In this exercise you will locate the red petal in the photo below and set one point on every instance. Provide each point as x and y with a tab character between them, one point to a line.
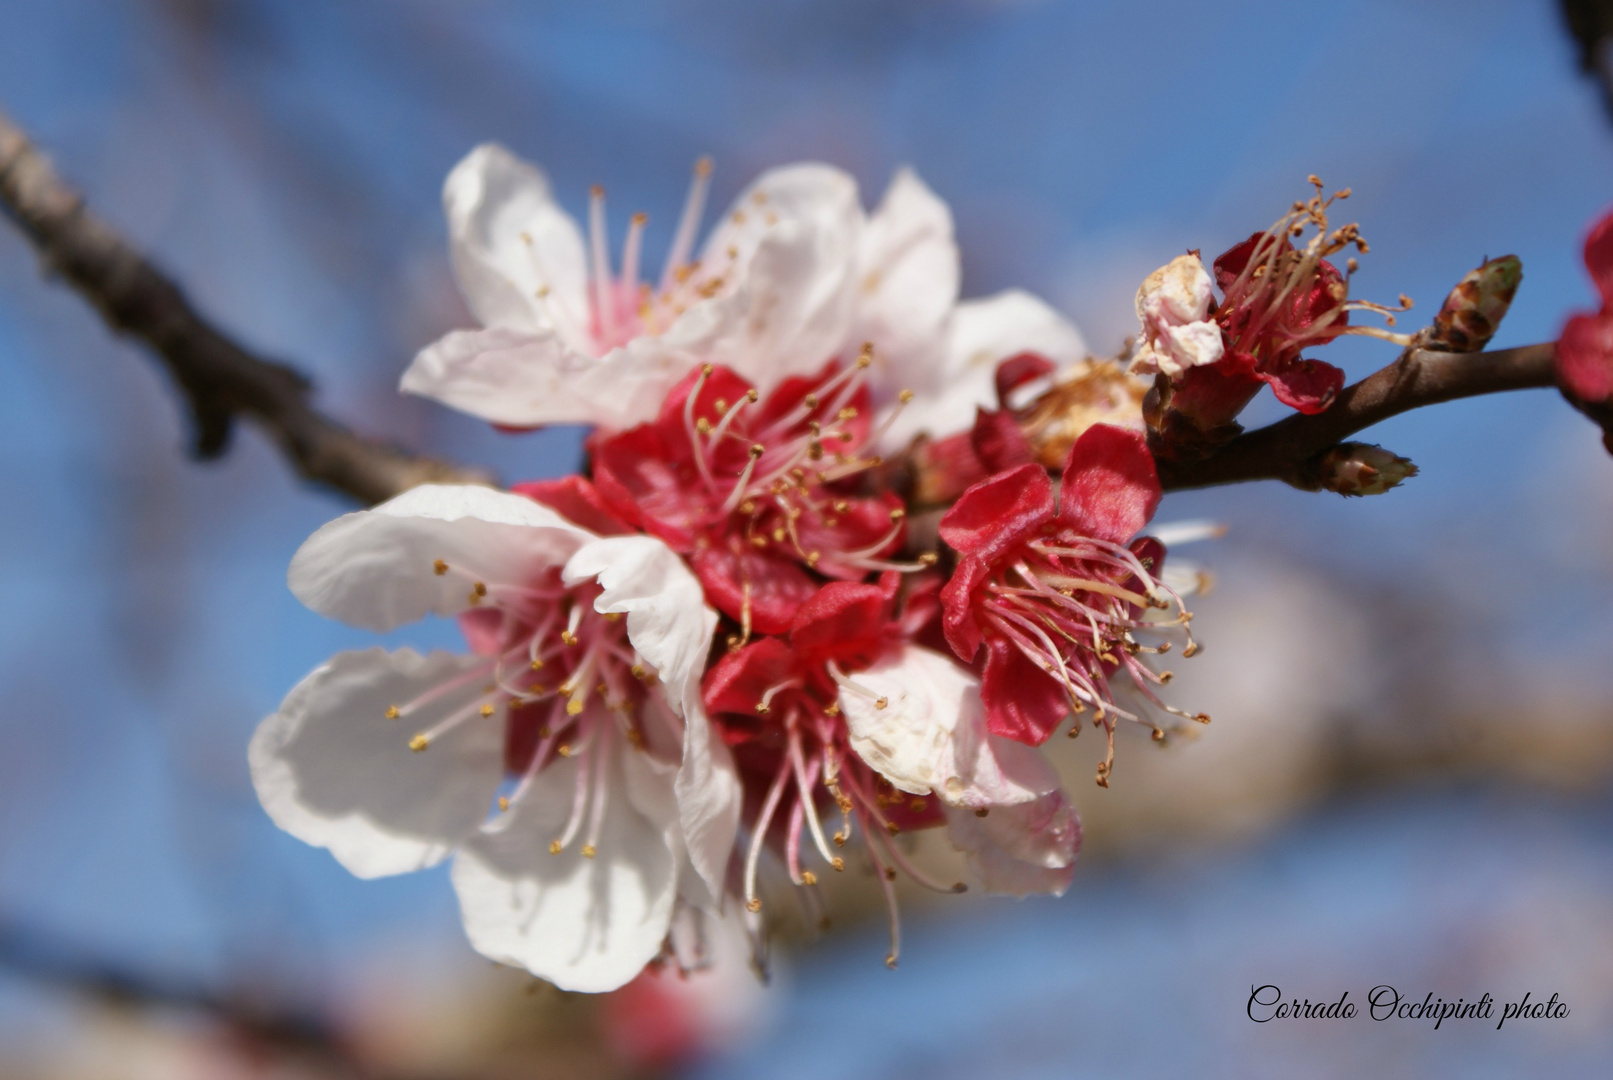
998	513
1110	485
1231	262
521	736
1022	701
483	628
576	500
646	483
1307	385
778	587
844	621
1599	257
957	607
998	442
1018	370
1585	358
735	683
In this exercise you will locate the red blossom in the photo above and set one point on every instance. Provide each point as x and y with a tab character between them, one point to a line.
1585	350
1052	590
759	493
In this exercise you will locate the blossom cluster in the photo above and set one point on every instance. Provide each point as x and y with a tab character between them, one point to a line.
846	553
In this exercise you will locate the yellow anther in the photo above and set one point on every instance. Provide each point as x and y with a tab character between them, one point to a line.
703	426
392	712
637	671
905	396
567	637
487	710
810	401
898	514
612	616
419	743
840	839
564	750
554	847
721	405
753	904
574	706
833	710
916	805
848	413
838	863
537	665
439	568
813	557
752	396
757	450
890	961
479	589
503	804
588	851
928	558
892	828
882	702
761	708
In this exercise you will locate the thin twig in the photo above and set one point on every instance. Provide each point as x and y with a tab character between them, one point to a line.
1289	449
221	379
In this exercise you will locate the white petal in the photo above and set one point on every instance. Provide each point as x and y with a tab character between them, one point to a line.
331	769
375	569
670	626
1023	849
983	334
785	307
587	925
1175	533
509	241
535	378
907	285
931	735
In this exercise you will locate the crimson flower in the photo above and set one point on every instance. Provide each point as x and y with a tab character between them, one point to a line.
757	492
1585	350
1054	589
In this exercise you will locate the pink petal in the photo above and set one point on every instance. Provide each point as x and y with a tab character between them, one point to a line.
1110	485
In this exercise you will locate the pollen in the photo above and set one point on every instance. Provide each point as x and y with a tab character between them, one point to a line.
392	712
419	743
503	804
439	568
588	851
574	706
564	750
487	710
555	847
568	638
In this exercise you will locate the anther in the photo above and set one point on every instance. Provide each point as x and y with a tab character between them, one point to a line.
808	878
555	847
982	811
487	710
838	863
564	750
503	804
588	851
439	568
419	743
754	904
392	712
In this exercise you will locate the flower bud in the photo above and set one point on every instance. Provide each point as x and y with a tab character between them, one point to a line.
1354	468
1474	309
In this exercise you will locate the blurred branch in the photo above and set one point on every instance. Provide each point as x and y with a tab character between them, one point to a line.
1591	24
1290	450
221	379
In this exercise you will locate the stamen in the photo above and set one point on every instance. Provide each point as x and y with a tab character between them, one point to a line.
631	249
688	224
759	834
596	816
804	789
889	890
604	302
847	684
579	798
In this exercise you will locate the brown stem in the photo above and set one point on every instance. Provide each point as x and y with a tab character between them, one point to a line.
1288	450
220	378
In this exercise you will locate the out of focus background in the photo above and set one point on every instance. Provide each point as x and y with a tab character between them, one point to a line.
1409	779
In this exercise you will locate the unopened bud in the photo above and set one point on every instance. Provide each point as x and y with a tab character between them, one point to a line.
1363	469
1474	309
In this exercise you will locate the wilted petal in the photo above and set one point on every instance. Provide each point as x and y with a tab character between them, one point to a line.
670	626
931	735
377	569
907	284
334	771
584	924
510	242
984	333
1020	850
534	378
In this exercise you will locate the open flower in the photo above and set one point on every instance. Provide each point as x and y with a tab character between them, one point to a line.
844	714
1585	351
585	727
568	338
1054	590
759	492
1277	299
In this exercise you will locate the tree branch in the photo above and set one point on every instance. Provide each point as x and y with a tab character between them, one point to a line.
1289	449
221	379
